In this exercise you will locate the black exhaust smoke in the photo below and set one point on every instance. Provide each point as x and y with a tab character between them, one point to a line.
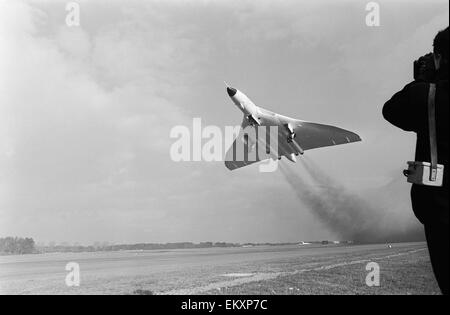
345	213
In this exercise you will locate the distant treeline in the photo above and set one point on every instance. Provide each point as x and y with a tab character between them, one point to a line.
145	246
17	245
141	246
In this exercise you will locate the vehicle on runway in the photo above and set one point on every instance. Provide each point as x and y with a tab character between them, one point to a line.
294	136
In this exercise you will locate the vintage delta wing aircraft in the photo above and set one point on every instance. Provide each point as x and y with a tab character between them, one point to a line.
294	136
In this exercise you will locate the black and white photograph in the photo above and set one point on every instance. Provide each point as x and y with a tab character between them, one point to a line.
222	154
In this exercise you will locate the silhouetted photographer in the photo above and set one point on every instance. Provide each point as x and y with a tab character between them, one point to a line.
422	107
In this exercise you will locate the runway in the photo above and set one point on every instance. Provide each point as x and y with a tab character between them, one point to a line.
250	270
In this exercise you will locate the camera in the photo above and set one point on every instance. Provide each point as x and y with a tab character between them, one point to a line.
424	68
421	173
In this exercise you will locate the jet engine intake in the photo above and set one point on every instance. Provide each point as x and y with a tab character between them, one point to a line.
291	137
252	121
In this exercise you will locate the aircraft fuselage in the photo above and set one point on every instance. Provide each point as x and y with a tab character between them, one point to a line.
257	116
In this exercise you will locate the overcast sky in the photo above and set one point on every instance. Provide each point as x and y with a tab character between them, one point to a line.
86	112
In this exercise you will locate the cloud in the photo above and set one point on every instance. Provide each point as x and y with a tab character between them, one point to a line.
85	113
74	42
66	128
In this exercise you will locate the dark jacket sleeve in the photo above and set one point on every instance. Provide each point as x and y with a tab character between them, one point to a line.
402	109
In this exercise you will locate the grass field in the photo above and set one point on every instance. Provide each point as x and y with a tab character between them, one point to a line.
311	269
404	274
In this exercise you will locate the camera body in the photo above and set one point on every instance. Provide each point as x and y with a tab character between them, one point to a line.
421	173
424	68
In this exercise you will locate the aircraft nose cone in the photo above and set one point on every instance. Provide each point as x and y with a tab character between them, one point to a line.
231	91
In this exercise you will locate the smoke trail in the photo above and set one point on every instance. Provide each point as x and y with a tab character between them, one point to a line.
345	213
